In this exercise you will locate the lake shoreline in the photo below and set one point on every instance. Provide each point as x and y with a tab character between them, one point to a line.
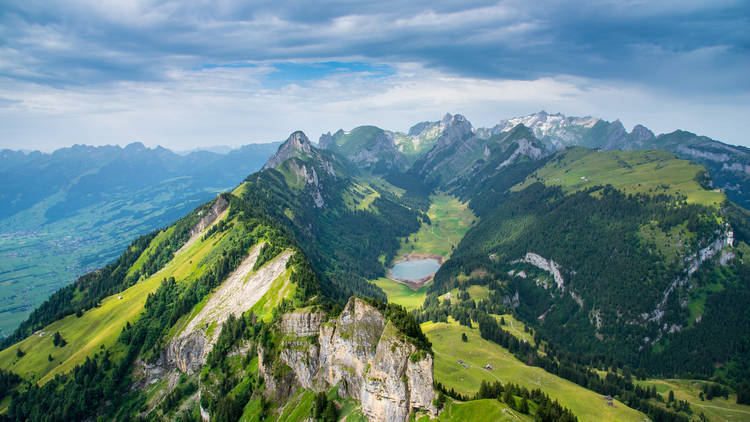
415	256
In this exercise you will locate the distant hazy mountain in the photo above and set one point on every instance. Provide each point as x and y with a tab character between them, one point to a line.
75	209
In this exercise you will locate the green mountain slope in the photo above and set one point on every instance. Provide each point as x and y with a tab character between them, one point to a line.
604	251
74	210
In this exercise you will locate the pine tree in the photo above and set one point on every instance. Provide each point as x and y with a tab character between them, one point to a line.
524	406
509	399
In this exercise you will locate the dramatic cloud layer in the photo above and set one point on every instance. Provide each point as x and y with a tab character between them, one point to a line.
184	74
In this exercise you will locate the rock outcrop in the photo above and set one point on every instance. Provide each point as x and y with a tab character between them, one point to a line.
296	143
360	352
544	264
309	166
208	218
219	205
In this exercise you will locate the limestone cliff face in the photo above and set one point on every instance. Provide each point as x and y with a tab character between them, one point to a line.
187	353
302	323
362	353
381	154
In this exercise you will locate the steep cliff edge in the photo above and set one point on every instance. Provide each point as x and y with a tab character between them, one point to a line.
217	211
361	352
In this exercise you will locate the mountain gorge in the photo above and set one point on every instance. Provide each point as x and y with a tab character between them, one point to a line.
595	263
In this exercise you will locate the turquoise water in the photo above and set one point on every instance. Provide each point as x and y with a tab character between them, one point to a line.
415	270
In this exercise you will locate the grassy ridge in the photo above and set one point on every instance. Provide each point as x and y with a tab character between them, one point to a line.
477	352
98	327
650	172
281	288
717	409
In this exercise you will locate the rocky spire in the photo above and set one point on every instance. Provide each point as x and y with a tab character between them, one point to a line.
297	142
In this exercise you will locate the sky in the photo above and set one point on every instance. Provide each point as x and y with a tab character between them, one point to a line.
186	74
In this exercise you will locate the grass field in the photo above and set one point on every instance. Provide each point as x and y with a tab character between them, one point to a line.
717	409
360	196
486	410
477	352
281	288
475	291
299	409
98	327
515	327
450	220
401	294
632	171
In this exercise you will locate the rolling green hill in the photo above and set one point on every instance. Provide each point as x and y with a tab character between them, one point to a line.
476	353
633	172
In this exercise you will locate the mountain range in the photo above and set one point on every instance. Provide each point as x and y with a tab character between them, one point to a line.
73	210
585	273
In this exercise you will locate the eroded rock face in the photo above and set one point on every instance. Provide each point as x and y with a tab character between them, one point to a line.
385	392
302	323
187	353
544	264
207	219
188	350
362	353
348	345
210	216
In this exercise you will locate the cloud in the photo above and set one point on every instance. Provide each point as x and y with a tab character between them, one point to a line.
93	41
142	65
235	105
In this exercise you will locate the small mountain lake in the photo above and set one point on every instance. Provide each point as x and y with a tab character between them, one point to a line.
415	270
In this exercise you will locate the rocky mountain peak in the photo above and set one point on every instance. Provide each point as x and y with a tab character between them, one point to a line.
641	133
616	129
297	142
419	127
326	140
520	130
135	146
455	127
